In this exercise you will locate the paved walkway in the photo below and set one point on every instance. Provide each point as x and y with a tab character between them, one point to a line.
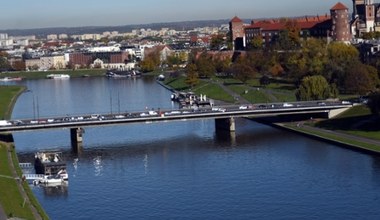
344	135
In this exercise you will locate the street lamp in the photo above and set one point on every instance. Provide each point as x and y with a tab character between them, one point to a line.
34	105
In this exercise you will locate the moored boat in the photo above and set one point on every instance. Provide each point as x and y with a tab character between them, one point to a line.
50	164
58	76
7	79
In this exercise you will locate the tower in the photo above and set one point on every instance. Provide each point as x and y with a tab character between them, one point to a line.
340	30
357	7
369	15
237	33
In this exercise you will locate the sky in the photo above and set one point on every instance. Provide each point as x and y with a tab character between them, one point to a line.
26	14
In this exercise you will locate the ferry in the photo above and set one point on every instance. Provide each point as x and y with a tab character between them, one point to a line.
51	165
58	76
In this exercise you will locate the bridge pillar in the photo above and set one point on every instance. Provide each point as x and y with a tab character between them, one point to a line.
227	124
76	135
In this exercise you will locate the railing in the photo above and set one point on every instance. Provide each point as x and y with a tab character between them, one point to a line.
33	176
25	165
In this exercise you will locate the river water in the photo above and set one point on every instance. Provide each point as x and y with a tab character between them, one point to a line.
187	170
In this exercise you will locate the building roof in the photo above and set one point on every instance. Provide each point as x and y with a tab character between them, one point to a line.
339	6
236	19
279	24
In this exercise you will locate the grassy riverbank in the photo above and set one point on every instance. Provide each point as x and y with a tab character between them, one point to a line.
356	128
43	74
8	97
16	197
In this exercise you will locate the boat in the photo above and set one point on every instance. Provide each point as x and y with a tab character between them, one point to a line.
122	73
50	164
49	180
58	76
7	79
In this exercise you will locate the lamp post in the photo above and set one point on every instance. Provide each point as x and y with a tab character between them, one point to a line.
34	104
35	107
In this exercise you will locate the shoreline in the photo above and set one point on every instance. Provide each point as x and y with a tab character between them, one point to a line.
307	131
15	184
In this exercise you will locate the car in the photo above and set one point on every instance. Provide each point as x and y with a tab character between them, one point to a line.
243	107
321	103
218	109
152	113
287	105
119	116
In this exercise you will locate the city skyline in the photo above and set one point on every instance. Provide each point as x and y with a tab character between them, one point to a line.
22	14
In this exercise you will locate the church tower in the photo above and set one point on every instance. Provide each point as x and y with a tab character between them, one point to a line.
369	15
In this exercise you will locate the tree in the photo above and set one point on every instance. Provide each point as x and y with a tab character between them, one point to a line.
256	43
151	61
4	63
205	65
289	38
242	70
313	88
217	42
192	78
264	80
19	65
357	80
374	103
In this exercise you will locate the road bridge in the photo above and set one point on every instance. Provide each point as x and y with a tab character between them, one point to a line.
223	115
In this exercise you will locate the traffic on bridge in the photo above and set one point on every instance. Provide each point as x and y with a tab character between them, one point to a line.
251	110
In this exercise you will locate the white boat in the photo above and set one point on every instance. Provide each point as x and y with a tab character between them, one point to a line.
60	178
58	76
7	79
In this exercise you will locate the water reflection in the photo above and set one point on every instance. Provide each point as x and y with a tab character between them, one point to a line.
98	165
56	191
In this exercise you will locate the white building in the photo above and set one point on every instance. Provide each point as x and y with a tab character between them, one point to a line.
3	36
52	37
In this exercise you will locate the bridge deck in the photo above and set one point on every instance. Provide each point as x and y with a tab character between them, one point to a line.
254	110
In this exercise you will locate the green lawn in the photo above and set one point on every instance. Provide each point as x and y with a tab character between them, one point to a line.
8	95
10	197
356	121
212	90
43	74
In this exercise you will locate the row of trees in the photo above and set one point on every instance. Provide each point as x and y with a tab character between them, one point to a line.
335	65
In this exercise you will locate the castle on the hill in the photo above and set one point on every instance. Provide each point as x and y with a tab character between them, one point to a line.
336	26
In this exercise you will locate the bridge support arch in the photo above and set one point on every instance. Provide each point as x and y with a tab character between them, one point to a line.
227	124
76	135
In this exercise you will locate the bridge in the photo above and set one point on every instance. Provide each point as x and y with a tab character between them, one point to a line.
223	115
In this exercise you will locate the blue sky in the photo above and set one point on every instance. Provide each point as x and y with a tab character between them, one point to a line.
21	14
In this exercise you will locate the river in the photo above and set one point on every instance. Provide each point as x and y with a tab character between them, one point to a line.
187	170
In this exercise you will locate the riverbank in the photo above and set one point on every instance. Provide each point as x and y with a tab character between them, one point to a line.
352	142
17	201
328	130
43	74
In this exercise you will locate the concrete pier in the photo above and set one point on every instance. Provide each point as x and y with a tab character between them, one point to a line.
76	135
227	124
